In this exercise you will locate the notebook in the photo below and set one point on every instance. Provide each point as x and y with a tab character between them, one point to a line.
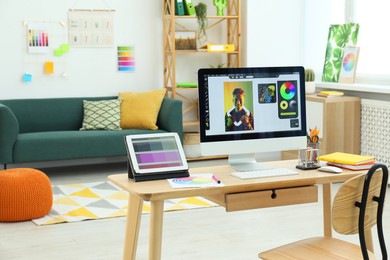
346	158
155	156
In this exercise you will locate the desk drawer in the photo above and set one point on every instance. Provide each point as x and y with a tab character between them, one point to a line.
271	198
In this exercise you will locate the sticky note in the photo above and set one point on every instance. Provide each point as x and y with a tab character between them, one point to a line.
27	77
58	52
64	47
49	67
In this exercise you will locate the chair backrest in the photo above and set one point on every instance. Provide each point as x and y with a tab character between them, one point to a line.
358	205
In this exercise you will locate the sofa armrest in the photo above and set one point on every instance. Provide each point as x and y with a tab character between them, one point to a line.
170	117
9	131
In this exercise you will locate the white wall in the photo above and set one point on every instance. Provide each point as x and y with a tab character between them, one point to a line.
319	15
90	71
274	32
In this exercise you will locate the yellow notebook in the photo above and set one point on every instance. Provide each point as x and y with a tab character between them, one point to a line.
346	158
330	94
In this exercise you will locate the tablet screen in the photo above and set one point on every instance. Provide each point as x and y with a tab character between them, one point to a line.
153	153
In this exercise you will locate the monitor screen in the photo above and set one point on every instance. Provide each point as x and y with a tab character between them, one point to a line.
244	111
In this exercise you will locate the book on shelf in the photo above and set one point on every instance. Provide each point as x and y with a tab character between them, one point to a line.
179	10
346	158
359	167
187	85
330	93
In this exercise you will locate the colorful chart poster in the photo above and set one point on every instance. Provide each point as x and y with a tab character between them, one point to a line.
38	38
126	60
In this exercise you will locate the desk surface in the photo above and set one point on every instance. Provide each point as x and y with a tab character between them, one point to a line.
161	189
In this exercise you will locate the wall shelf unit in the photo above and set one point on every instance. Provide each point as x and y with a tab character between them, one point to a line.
229	24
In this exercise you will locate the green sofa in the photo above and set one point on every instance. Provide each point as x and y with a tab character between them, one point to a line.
37	130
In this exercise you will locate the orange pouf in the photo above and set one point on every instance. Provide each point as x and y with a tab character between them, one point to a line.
25	194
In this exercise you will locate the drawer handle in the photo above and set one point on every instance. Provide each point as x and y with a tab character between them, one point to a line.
274	195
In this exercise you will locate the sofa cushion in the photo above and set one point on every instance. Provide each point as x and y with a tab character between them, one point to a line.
101	115
139	110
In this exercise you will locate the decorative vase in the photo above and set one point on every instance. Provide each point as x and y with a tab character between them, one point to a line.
310	87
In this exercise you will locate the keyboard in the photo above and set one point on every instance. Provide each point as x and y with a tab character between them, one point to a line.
274	172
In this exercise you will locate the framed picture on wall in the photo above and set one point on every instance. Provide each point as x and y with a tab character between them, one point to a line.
349	64
91	28
339	36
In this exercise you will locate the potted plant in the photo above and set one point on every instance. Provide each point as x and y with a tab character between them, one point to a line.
201	14
309	81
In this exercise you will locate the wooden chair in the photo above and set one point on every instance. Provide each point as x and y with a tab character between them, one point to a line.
357	207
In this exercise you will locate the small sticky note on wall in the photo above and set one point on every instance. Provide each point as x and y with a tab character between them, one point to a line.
64	47
49	67
27	77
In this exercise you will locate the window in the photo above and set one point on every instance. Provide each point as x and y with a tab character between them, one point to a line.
374	20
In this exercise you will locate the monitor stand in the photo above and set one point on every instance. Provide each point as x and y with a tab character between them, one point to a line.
245	162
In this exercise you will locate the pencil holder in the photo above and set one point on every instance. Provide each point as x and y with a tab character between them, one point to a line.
307	158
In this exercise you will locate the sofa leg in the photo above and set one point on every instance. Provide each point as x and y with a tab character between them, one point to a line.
5	166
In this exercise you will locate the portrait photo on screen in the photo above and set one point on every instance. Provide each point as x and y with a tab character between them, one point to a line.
238	98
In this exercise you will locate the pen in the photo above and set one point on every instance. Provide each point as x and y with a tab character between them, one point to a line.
216	179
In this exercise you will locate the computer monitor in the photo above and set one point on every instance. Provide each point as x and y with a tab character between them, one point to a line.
244	111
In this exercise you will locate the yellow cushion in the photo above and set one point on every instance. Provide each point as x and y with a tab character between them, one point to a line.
139	110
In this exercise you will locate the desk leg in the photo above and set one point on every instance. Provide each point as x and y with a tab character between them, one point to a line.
134	212
327	208
156	223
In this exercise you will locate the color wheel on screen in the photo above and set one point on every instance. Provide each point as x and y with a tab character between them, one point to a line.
287	90
349	62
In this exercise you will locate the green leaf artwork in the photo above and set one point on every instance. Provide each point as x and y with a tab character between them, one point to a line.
340	36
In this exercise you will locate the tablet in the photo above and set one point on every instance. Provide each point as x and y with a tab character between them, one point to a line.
155	156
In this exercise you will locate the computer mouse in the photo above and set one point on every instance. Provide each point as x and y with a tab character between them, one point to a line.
331	169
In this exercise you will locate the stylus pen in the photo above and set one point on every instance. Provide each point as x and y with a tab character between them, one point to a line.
216	179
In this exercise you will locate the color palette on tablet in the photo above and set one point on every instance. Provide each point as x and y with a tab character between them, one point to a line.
157	153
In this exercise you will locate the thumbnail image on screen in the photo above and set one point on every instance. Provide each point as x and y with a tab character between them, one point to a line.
267	93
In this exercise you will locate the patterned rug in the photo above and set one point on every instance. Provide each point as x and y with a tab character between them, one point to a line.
97	200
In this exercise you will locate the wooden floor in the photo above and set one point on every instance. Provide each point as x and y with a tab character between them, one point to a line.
198	234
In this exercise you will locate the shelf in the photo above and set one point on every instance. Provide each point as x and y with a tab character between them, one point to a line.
191	123
227	30
185	89
181	52
203	158
208	17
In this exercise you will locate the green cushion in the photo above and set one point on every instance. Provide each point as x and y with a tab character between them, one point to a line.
102	115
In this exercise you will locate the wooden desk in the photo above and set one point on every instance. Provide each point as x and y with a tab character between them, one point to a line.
235	195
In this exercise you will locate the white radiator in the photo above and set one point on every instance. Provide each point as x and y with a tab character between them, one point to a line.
375	129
